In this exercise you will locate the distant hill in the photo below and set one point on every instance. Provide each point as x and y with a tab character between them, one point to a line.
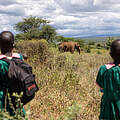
98	39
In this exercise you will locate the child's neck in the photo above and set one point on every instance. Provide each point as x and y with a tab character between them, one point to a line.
6	53
116	62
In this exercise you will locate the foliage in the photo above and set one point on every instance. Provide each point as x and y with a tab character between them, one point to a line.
81	42
18	112
72	112
69	78
36	50
109	41
67	39
87	48
98	52
35	28
64	39
66	79
48	33
30	23
60	38
91	43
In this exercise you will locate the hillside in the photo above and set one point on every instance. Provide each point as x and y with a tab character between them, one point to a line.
97	39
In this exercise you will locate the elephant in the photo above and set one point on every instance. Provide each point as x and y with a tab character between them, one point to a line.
69	47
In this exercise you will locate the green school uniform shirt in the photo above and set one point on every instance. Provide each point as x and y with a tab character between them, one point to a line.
108	79
4	81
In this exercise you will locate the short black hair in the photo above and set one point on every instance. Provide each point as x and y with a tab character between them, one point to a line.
115	49
6	39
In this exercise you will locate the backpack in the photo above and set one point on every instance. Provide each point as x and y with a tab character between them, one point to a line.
21	79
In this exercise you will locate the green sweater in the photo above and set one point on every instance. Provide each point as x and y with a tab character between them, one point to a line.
108	79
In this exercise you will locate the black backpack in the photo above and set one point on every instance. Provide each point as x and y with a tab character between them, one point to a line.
21	79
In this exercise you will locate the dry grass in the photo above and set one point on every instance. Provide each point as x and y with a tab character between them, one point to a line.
65	80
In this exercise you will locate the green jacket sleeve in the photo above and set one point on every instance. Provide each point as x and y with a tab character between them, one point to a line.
100	76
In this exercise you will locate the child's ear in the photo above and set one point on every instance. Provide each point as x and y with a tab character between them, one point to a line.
14	45
111	54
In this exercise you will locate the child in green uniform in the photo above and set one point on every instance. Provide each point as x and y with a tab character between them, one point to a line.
108	79
6	47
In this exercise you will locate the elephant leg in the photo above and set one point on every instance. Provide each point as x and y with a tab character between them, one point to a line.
79	51
60	49
72	50
65	48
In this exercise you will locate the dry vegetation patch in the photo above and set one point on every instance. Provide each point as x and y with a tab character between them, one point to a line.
67	82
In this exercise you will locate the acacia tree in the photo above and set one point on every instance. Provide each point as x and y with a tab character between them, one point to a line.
48	33
35	27
30	23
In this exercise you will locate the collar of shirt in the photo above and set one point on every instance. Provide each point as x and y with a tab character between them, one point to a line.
16	55
110	65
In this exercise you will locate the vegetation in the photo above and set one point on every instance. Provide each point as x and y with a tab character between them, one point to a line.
36	50
18	113
66	81
108	42
35	28
48	33
67	89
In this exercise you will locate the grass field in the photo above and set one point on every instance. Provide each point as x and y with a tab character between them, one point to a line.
67	86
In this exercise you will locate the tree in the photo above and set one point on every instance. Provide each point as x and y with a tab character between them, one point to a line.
67	39
30	23
81	42
59	38
35	28
48	33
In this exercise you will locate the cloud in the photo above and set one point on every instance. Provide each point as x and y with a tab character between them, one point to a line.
14	10
69	17
75	5
7	2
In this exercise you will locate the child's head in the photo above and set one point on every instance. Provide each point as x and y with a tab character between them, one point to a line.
115	49
6	40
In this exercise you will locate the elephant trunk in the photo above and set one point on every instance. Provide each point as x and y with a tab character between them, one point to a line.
79	50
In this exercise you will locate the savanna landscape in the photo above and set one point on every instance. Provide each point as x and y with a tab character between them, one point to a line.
67	88
65	42
66	80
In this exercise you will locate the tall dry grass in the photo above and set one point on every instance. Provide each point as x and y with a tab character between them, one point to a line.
67	86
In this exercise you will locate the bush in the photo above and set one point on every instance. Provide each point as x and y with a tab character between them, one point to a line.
98	52
37	50
87	49
18	112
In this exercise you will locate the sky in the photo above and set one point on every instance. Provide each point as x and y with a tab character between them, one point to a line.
70	18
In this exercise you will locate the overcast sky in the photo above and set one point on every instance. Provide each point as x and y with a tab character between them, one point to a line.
71	18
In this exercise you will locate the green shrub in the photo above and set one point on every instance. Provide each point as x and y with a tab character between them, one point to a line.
87	48
18	112
72	112
98	52
37	50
